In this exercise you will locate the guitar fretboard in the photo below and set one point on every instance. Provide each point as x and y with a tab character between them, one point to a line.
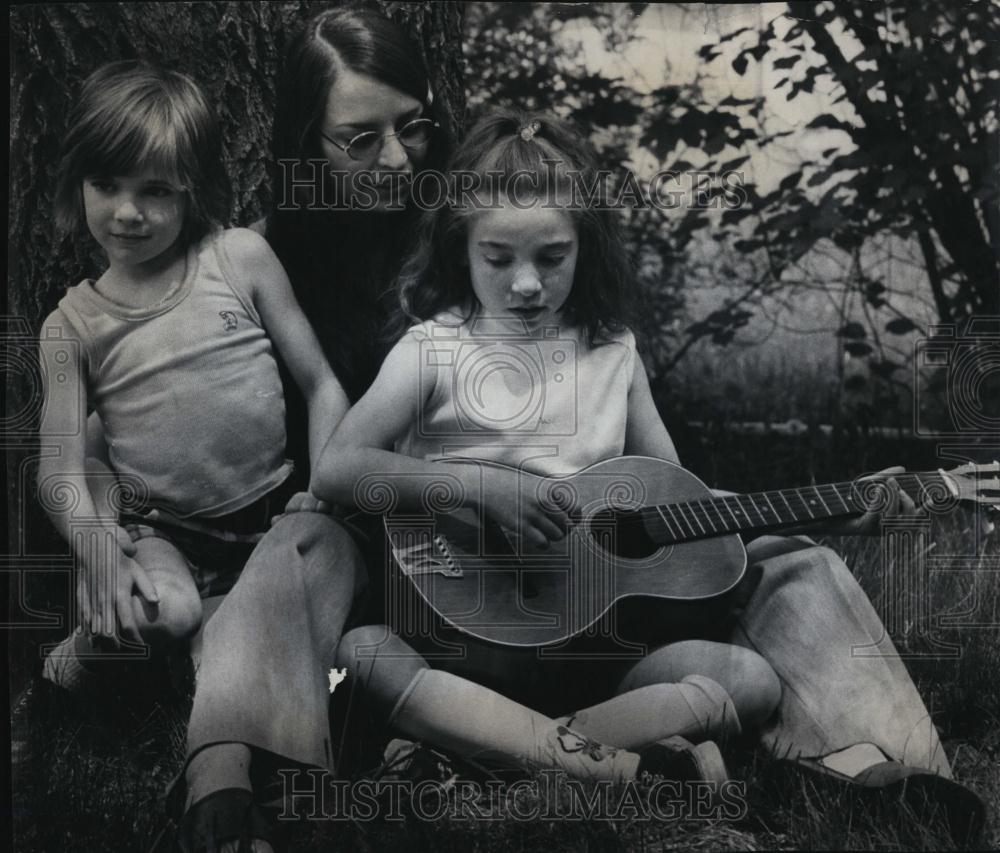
669	524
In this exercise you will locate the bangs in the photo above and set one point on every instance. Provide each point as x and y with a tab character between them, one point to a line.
134	118
133	141
515	154
522	172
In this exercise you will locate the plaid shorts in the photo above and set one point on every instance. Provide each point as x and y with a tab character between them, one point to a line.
216	549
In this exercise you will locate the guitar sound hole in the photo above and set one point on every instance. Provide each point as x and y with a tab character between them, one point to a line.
622	533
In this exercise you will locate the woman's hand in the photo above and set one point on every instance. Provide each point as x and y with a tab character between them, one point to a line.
512	499
303	502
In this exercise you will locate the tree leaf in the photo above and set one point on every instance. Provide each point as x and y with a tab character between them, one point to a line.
715	144
873	293
884	368
853	331
787	61
819	177
789	181
733	34
734	215
826	120
900	326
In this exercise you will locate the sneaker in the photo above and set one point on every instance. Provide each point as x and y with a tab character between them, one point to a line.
404	759
679	759
64	667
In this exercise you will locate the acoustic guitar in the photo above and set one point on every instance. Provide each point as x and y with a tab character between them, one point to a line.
643	529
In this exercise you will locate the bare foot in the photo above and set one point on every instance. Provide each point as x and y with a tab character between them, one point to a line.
855	758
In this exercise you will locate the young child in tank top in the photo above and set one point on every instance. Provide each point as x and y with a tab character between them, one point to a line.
173	347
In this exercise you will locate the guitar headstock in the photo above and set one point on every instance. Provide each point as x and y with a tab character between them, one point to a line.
979	483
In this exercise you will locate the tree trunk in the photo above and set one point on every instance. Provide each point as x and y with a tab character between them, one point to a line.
233	50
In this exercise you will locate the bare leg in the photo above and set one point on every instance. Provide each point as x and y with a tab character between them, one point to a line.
177	616
170	622
744	675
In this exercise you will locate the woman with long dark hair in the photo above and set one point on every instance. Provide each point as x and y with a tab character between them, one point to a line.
355	121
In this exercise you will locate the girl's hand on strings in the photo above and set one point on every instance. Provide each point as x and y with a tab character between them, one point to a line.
515	500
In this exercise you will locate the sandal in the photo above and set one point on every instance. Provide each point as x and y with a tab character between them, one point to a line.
225	815
921	789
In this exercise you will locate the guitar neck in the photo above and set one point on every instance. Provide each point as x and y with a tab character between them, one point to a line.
757	512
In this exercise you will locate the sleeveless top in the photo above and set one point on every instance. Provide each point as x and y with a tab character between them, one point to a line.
548	402
187	389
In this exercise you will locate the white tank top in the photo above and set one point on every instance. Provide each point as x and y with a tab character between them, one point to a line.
187	390
547	402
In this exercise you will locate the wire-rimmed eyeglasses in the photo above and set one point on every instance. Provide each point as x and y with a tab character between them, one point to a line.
368	145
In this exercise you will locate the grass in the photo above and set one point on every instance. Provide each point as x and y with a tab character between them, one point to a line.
90	775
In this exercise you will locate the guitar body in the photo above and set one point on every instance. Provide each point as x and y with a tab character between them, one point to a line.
486	583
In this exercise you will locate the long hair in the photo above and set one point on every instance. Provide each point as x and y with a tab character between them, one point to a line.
499	152
342	264
131	116
357	38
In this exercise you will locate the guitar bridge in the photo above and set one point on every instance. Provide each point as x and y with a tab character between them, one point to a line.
419	553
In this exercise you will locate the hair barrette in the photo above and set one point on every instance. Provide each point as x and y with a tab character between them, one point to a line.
530	129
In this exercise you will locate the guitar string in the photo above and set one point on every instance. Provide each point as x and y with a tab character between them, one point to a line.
828	494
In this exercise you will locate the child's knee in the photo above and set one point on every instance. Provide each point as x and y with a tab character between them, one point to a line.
755	688
366	642
379	662
174	619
